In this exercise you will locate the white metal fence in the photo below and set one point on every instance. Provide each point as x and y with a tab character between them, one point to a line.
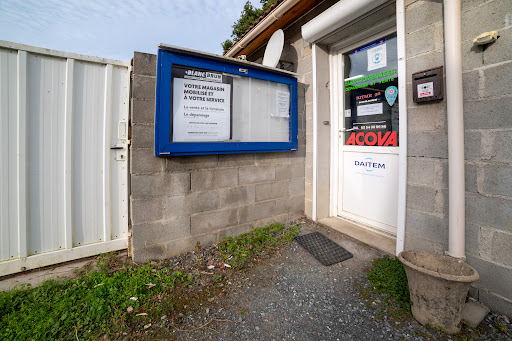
63	153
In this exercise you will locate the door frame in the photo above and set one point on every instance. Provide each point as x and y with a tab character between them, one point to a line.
336	51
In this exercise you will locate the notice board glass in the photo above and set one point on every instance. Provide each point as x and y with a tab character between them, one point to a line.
208	104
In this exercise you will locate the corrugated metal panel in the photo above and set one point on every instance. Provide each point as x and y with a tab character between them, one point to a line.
8	168
61	185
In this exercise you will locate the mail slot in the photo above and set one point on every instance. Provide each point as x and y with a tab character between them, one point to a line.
428	85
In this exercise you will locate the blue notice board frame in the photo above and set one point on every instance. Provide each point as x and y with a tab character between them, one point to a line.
169	56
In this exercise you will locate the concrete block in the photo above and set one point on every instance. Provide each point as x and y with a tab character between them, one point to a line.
427	117
143	111
420	41
213	179
487	17
235	160
279	219
292	171
308	173
233	231
498	180
256	174
191	203
415	242
495	246
422	14
308	190
257	211
149	253
143	87
498	81
500	150
489	211
423	62
144	64
296	203
208	222
474	313
472	56
142	161
237	196
471	84
308	207
159	184
307	79
160	232
493	277
296	187
183	163
273	158
471	175
488	114
146	210
282	206
472	145
143	136
500	51
180	246
428	144
421	171
469	4
427	226
421	198
496	303
473	238
272	190
295	215
305	65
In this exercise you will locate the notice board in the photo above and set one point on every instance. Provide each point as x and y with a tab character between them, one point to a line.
208	104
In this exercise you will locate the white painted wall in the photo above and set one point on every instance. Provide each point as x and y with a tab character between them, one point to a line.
62	187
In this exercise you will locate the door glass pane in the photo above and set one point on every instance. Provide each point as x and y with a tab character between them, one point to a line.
371	94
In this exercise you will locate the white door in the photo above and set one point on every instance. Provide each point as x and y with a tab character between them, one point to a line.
368	133
63	152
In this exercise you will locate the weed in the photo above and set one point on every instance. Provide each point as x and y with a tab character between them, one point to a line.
388	283
240	250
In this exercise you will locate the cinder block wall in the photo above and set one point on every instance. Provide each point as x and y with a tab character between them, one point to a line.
488	134
177	202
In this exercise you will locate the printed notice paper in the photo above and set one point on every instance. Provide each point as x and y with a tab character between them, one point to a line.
201	110
369	109
282	104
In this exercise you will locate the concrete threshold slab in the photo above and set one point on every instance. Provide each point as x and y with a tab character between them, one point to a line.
365	236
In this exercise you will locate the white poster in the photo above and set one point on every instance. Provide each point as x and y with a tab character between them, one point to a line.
201	111
377	57
282	104
369	109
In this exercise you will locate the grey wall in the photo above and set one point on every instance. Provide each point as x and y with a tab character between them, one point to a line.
179	201
487	78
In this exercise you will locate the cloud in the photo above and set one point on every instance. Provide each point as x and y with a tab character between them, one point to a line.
117	28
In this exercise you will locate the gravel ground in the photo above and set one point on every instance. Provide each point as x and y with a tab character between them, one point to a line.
291	296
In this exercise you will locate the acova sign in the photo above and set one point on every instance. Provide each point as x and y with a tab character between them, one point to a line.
389	138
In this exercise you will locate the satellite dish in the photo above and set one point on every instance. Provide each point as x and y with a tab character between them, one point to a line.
274	49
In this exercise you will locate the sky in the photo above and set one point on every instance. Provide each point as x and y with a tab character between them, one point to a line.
117	28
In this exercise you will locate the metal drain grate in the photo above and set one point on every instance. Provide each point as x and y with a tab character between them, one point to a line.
322	248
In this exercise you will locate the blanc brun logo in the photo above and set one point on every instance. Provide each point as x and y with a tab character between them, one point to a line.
204	75
369	165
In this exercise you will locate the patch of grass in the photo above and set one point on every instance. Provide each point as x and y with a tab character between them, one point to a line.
90	305
116	298
239	251
388	290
